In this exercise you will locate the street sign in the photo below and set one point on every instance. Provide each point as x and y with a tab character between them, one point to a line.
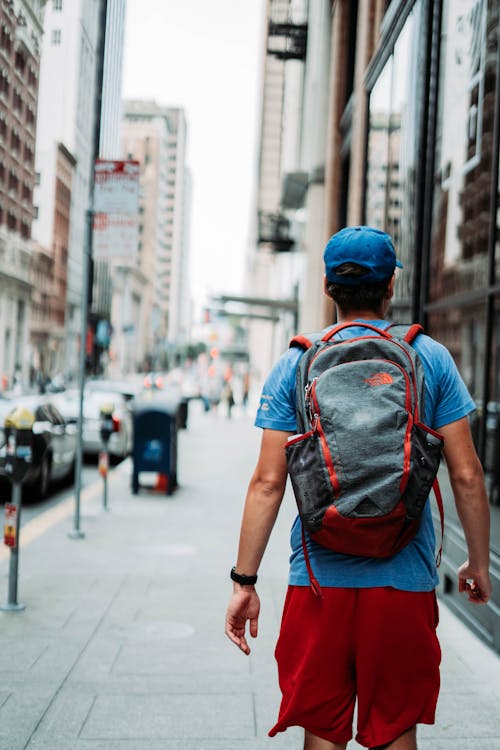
115	236
116	208
116	187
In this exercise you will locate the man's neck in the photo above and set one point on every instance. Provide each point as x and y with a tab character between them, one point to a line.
349	317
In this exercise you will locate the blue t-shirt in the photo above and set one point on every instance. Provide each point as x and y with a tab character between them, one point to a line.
414	567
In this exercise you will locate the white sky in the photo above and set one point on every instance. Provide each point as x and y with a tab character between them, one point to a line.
206	56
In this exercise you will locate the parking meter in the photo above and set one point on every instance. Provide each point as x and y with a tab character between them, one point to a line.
107	426
18	429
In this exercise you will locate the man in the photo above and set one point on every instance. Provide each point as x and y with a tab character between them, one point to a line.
370	637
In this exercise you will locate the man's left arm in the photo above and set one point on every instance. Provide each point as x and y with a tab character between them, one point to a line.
471	500
263	500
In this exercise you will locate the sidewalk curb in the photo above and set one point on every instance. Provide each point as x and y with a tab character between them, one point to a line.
35	528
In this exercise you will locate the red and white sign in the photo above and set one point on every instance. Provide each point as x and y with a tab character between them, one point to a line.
116	187
115	236
103	463
10	525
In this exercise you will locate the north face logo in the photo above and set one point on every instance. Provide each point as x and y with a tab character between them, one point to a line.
380	378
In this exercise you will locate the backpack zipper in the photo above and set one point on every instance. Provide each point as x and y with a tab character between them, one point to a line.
318	428
332	342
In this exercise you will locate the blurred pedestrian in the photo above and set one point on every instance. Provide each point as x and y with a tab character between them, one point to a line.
228	396
370	636
246	388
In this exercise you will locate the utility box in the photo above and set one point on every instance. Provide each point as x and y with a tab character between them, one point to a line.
155	443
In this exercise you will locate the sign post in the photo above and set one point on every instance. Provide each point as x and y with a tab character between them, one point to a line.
114	202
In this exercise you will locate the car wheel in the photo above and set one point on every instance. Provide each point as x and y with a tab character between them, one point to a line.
43	481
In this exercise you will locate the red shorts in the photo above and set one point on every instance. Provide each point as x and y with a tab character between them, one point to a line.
375	646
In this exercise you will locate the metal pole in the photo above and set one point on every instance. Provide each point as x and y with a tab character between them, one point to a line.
77	533
12	603
105	480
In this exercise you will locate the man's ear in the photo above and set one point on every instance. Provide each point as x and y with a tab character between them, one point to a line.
390	288
325	289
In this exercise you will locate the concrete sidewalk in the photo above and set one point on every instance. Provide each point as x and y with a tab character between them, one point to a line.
121	644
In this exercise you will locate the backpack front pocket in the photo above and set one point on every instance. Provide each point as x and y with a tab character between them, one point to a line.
427	445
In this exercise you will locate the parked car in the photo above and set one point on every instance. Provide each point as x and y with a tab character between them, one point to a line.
129	389
54	443
120	442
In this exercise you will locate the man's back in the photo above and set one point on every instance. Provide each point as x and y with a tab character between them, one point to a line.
413	568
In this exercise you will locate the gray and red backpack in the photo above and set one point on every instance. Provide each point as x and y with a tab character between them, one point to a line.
363	463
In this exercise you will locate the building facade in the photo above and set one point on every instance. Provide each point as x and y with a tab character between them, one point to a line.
69	85
20	41
174	290
111	106
156	137
50	281
142	327
410	144
108	137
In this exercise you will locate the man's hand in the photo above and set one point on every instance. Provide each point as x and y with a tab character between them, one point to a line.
475	583
244	605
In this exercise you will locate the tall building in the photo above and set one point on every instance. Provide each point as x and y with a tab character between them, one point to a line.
156	137
283	266
101	297
50	279
111	100
69	85
141	326
175	298
20	39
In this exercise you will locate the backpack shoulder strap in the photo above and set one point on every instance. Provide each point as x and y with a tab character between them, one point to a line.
305	341
406	332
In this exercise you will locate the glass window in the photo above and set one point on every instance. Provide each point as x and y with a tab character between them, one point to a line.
392	159
493	428
463	160
461	329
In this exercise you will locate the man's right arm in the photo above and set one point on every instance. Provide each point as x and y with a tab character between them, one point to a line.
471	500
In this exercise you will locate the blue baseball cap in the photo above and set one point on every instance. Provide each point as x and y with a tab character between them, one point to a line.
366	246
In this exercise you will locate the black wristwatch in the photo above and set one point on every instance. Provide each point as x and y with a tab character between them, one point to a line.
242	579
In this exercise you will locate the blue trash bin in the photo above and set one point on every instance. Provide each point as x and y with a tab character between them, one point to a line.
155	443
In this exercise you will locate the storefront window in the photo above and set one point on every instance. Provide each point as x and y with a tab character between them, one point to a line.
492	453
392	152
463	161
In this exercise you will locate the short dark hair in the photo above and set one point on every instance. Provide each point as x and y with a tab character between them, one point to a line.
352	297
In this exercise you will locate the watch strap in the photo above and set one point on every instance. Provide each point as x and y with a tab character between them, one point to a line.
242	579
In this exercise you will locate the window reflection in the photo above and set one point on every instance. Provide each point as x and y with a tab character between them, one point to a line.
461	212
492	428
463	149
492	456
378	150
392	153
